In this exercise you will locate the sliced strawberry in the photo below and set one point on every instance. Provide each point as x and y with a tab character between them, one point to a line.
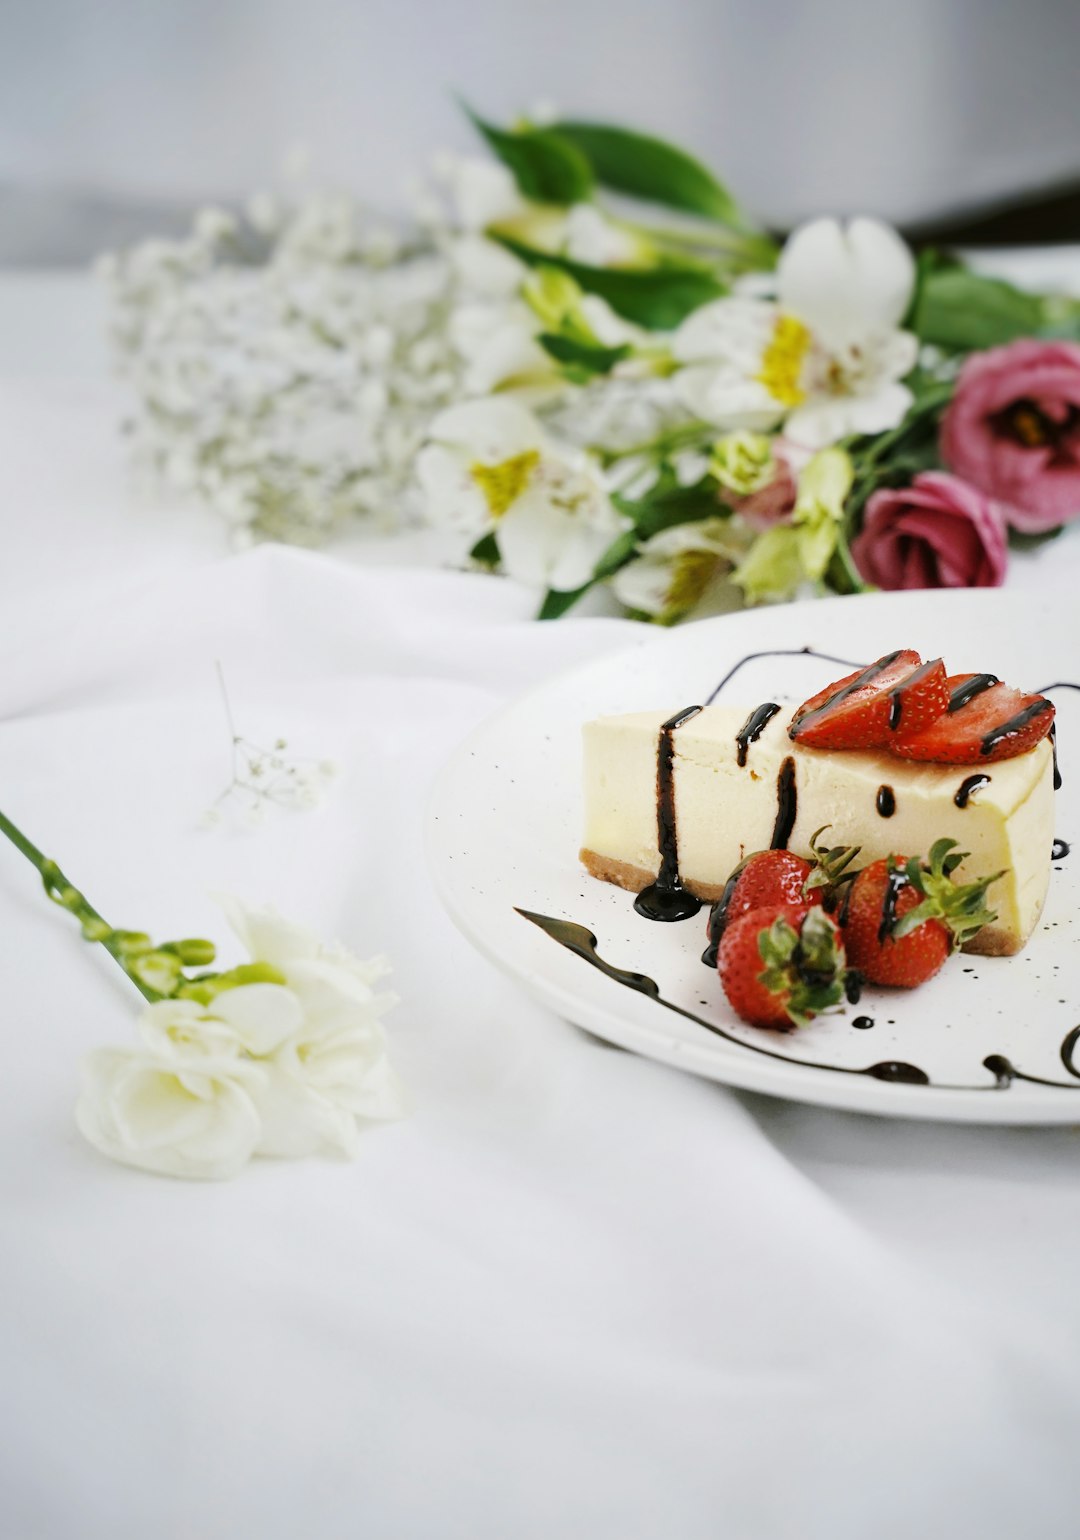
897	695
781	966
903	917
984	721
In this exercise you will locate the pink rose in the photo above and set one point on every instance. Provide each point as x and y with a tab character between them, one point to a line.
936	533
1013	430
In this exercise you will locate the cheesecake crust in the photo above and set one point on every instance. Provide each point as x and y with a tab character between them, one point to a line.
991	941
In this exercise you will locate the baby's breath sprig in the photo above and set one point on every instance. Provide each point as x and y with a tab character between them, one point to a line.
262	778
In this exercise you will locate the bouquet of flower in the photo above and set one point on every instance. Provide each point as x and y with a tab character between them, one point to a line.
593	392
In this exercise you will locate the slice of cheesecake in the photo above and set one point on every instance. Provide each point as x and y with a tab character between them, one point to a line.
690	796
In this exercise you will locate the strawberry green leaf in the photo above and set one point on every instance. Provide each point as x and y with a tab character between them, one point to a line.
807	967
961	907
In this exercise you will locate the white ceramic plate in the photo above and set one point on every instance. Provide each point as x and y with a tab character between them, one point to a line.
504	830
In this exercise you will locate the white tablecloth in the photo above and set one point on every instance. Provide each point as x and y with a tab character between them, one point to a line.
575	1293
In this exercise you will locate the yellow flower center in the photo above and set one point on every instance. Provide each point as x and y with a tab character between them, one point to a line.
502	484
782	360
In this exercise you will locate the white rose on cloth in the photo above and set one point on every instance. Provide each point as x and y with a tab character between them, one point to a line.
490	468
287	1065
826	358
144	1111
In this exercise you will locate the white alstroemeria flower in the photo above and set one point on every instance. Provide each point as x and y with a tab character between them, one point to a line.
561	525
732	352
484	268
682	568
826	358
482	192
491	468
597	241
480	457
198	1122
498	345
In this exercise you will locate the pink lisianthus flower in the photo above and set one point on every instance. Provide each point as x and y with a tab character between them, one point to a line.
936	533
774	503
1013	430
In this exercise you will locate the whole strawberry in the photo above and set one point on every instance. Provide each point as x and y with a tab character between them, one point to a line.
769	878
903	917
782	966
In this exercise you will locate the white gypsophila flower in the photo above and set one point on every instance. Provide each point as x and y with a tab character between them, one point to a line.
283	1066
290	394
482	192
491	467
618	412
684	569
196	1121
826	358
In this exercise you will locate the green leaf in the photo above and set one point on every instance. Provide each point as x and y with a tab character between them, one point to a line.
558	600
960	311
546	167
667	504
651	169
617	555
1025	540
486	551
654	298
581	360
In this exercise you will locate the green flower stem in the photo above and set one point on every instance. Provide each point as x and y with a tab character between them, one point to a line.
757	250
63	892
842	556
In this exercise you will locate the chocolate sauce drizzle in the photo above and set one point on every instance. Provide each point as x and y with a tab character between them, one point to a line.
1059	850
895	883
787	805
885	801
718	919
966	787
780	652
1053	750
863	1023
582	943
666	899
969	689
752	729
